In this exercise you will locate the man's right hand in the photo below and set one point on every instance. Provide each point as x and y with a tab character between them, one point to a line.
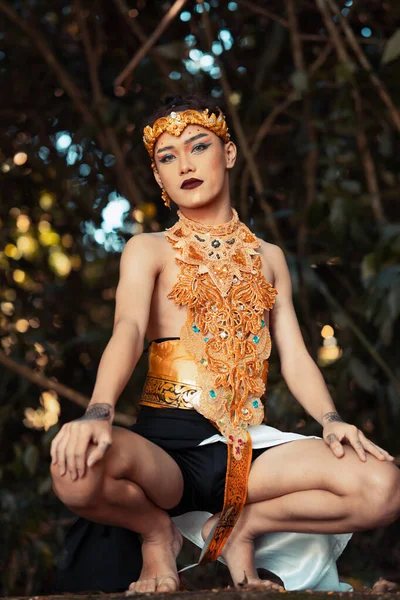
69	449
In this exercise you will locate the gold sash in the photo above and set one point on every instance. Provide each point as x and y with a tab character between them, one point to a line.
173	382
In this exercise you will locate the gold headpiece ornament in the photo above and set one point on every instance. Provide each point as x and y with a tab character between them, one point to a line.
176	122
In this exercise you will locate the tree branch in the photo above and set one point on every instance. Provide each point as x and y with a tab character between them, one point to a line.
310	170
354	327
106	137
143	39
50	384
63	76
367	160
379	85
91	55
144	49
334	33
306	37
366	157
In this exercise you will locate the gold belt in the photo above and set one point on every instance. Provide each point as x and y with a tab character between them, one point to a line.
172	382
163	392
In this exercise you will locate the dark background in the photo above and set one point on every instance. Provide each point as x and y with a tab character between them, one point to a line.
311	90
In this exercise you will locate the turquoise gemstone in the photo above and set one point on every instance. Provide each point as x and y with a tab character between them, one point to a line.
256	339
262	323
195	328
255	403
206	339
212	394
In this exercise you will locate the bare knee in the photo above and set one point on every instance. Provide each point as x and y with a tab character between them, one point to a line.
79	494
381	494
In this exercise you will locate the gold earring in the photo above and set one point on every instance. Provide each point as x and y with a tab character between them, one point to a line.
166	198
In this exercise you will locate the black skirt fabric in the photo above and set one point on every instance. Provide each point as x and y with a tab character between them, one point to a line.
99	558
179	433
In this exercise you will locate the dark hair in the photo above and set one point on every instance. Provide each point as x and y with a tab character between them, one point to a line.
181	103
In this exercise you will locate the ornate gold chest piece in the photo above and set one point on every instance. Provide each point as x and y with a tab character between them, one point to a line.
221	283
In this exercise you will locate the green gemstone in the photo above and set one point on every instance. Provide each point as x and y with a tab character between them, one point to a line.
195	328
262	323
212	394
256	339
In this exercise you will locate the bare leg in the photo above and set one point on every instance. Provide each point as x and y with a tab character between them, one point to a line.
130	488
303	487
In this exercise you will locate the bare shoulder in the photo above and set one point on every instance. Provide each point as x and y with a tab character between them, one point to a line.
143	240
143	248
271	251
273	255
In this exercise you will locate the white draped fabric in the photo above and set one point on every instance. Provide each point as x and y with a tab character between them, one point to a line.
301	560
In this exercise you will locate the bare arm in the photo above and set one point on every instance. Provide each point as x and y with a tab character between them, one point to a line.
138	271
302	375
299	370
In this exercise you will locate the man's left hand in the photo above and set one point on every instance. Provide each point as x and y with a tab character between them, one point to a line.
338	433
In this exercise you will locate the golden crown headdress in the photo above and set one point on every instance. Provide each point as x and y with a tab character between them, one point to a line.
176	122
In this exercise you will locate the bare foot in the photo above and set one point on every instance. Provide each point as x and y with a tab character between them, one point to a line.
238	553
159	573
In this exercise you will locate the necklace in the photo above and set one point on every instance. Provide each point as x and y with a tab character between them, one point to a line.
223	229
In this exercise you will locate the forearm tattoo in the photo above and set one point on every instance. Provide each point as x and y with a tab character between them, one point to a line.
332	417
99	412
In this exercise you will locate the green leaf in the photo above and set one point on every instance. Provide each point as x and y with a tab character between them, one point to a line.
392	48
31	458
299	80
368	268
44	486
345	72
337	216
362	375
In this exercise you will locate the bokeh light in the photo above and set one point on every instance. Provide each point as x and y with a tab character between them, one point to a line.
328	355
64	140
27	245
49	238
23	223
7	308
46	415
46	200
327	331
22	325
60	263
20	158
19	276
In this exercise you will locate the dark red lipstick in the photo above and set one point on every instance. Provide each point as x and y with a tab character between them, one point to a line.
190	184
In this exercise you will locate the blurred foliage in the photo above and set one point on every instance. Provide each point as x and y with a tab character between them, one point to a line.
76	184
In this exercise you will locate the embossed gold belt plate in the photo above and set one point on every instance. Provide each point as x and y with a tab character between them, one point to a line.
160	392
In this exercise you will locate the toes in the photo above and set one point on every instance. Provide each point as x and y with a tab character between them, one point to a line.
263	583
146	586
272	586
167	584
141	587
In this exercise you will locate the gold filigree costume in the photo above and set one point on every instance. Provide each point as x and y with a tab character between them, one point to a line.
225	336
221	284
